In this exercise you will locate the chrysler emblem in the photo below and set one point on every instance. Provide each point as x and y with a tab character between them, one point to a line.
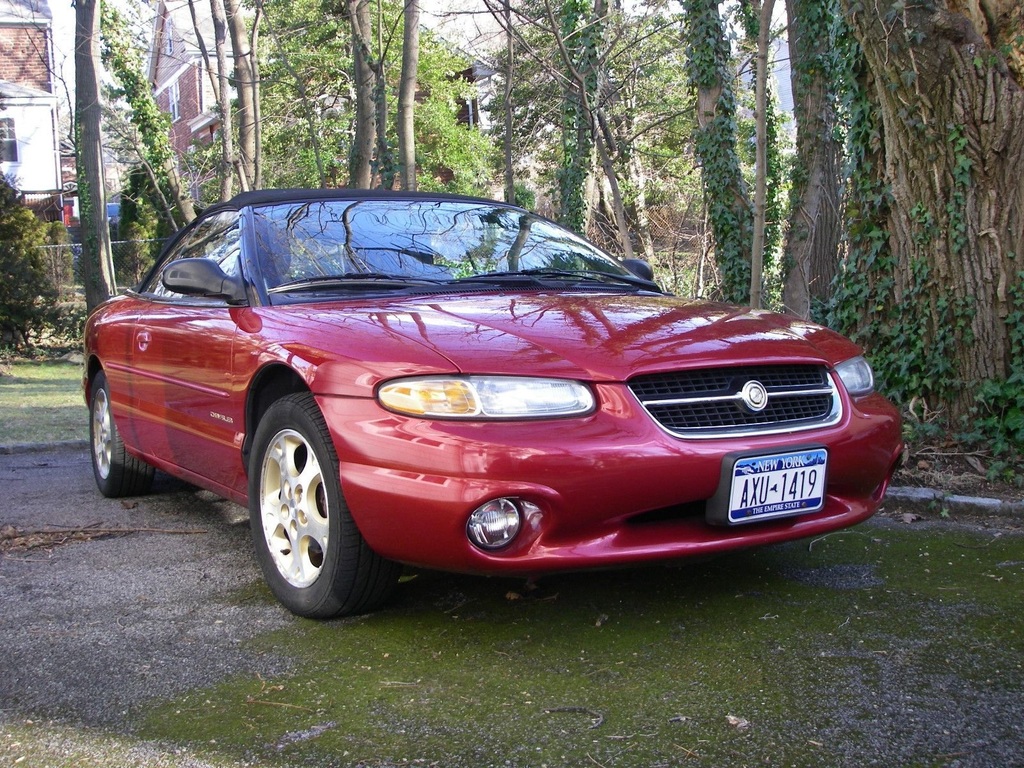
754	396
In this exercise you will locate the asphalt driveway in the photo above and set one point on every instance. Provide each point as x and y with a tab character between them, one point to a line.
109	607
91	630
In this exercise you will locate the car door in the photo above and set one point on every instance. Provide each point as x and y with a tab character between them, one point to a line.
190	410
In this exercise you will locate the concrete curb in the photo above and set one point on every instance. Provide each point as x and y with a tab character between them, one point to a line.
12	448
931	500
926	499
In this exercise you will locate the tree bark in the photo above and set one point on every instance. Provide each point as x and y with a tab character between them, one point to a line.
247	90
510	183
761	170
361	155
227	144
97	264
951	110
407	96
815	228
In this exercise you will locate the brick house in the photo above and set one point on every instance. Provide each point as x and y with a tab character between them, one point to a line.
178	73
29	143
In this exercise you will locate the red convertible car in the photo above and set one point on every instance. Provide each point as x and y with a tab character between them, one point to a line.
459	384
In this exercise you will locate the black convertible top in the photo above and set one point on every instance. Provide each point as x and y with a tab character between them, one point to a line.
274	196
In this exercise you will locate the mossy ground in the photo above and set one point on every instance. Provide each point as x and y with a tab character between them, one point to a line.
873	645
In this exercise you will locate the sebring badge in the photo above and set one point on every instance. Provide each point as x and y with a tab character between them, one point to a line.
754	396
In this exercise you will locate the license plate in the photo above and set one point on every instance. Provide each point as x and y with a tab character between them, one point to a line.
777	485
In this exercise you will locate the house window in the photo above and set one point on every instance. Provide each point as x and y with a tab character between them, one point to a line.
8	141
169	38
174	99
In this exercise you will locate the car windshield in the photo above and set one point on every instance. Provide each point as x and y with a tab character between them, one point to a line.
326	244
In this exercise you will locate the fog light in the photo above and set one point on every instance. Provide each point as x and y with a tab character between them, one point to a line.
494	524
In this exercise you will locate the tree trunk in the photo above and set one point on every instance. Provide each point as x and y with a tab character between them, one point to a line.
407	96
227	144
725	193
97	264
365	133
951	114
247	88
386	167
815	229
761	178
638	181
510	183
575	37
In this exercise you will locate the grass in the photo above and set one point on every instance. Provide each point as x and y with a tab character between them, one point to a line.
41	401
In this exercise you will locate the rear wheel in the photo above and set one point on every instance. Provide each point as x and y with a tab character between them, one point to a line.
312	555
117	472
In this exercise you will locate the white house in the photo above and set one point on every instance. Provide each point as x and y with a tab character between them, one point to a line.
29	146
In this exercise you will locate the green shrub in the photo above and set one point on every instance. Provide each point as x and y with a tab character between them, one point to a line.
27	294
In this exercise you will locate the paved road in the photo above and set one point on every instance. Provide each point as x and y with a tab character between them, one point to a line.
90	631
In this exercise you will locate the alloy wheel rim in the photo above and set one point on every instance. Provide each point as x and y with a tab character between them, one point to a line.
293	508
102	434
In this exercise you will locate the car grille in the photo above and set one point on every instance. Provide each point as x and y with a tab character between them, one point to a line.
710	402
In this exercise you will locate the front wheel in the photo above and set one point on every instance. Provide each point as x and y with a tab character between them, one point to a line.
117	472
312	555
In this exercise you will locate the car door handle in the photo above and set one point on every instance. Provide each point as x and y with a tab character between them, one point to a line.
142	340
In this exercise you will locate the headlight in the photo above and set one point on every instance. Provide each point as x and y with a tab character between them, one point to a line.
857	376
486	397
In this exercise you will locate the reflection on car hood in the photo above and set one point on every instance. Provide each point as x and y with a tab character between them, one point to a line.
589	336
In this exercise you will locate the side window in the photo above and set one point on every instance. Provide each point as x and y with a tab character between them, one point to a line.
8	141
218	238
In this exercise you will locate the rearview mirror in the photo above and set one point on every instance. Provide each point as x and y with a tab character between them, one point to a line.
640	268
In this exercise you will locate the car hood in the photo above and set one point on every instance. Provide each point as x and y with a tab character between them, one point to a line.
584	336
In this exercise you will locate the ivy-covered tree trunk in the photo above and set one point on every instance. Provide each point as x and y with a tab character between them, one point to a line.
578	31
97	264
815	229
725	193
941	303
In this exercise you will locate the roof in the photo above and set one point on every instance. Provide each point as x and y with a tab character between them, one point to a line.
14	92
22	11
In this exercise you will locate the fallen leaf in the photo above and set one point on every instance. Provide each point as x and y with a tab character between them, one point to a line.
911	517
739	723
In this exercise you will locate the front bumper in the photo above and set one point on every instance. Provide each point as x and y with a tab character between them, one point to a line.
613	489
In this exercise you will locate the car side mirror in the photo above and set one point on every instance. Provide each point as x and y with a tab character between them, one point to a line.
640	268
202	277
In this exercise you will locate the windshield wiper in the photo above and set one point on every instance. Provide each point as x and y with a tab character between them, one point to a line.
539	274
351	280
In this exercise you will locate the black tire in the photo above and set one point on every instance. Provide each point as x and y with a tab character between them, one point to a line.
313	557
117	472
